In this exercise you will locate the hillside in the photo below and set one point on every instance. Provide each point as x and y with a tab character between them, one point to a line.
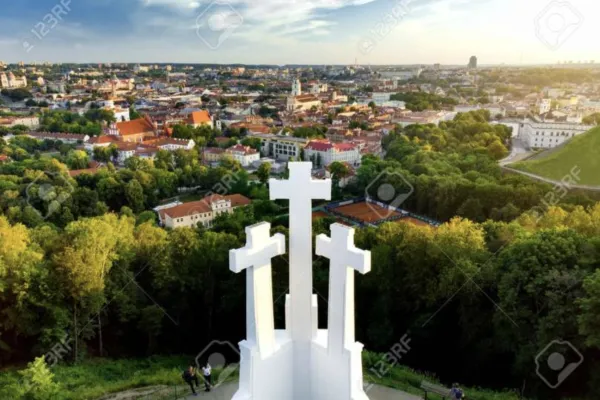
582	152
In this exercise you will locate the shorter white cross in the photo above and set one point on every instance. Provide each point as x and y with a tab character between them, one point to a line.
344	258
256	256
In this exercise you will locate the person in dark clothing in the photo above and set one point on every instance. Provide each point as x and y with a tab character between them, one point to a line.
189	376
456	393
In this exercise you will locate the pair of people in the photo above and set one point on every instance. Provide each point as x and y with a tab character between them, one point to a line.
190	377
456	393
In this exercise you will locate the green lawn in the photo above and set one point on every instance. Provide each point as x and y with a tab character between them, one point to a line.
408	380
581	154
96	379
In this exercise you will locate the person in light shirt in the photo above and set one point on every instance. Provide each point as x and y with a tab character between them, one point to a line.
206	370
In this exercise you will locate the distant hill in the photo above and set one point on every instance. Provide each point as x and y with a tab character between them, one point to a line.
582	151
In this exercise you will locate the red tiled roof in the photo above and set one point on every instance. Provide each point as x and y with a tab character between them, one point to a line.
238	148
204	205
344	146
162	141
126	146
135	127
305	98
238	200
325	145
57	135
103	139
214	150
199	117
319	145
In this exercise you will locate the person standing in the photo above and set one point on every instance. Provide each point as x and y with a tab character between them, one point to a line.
189	376
456	393
206	371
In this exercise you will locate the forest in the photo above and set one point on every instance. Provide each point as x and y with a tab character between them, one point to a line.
481	296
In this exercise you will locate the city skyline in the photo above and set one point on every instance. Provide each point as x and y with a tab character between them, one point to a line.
308	32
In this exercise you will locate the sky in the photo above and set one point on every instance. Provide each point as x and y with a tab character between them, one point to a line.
279	32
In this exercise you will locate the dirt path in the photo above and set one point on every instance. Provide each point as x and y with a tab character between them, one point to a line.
551	181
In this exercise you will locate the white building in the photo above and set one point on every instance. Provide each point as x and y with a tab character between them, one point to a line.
545	106
381	97
280	147
121	114
323	153
548	135
201	212
10	81
245	155
296	88
302	103
318	87
30	122
137	69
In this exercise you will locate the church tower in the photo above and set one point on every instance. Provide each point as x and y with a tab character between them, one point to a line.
296	88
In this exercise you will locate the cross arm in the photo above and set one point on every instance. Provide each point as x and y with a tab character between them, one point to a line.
279	189
300	183
260	248
341	247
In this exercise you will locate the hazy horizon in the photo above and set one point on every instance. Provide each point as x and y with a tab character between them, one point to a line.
300	32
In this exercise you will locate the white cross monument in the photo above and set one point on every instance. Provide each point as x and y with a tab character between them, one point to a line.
300	362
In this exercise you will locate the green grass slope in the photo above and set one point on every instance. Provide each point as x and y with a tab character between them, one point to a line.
98	378
582	151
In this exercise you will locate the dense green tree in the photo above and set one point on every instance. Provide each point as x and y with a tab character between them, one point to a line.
135	196
264	172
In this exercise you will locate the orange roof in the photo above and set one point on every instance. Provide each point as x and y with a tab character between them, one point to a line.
135	127
199	117
238	200
204	205
103	139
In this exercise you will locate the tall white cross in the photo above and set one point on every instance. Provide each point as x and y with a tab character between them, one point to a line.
260	248
301	189
344	259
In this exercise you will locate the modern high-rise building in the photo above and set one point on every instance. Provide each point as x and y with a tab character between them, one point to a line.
473	62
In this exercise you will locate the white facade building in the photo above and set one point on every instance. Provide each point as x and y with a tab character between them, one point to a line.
548	135
201	212
323	152
381	97
10	81
245	155
545	106
317	88
296	88
279	147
